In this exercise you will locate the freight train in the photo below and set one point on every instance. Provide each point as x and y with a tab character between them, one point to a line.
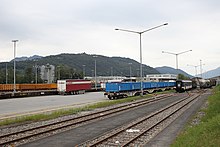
184	85
112	89
125	89
203	83
70	86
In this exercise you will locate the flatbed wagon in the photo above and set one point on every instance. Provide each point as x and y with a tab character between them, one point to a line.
125	89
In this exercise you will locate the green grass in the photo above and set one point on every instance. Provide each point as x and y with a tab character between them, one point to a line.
207	133
58	113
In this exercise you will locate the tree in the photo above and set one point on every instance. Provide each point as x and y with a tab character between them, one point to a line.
2	77
28	76
182	77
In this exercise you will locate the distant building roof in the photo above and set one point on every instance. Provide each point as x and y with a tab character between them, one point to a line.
161	77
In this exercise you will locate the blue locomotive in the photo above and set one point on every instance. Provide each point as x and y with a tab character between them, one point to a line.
125	89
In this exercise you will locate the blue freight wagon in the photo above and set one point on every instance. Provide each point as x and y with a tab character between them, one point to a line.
125	89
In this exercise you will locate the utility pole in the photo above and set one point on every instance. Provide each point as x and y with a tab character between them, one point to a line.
6	73
14	42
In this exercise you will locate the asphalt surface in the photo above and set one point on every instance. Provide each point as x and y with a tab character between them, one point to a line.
29	105
87	132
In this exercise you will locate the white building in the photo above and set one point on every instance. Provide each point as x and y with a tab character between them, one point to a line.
47	73
217	80
160	77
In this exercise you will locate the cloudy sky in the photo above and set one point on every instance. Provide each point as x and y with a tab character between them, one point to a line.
50	27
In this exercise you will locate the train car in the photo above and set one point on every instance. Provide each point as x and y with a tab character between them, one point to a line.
183	85
125	89
37	87
73	86
8	87
95	86
27	87
203	83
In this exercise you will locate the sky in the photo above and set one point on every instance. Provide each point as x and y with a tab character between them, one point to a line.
51	27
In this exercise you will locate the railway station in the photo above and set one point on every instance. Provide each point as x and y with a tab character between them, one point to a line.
109	73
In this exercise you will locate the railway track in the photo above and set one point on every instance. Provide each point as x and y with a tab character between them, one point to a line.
29	134
140	131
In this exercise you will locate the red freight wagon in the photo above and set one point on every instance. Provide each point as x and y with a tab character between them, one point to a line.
73	86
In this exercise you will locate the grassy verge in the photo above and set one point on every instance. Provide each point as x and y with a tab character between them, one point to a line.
207	133
58	113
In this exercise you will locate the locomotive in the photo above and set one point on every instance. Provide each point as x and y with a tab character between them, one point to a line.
184	85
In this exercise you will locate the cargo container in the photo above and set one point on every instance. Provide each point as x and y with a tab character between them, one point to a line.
72	86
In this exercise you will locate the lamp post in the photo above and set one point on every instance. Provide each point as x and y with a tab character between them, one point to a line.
36	69
6	73
140	33
201	67
84	72
111	71
130	68
48	67
14	42
95	73
195	66
176	54
137	70
58	72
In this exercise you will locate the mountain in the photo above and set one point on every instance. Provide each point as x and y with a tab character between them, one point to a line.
73	65
35	57
105	66
170	70
24	58
211	73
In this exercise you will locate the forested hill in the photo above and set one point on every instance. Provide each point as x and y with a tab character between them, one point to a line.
73	63
104	65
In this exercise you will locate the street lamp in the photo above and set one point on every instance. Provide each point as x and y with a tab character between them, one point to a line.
84	72
137	70
195	68
176	54
14	42
130	68
111	71
140	33
95	73
48	67
201	67
6	73
58	72
36	69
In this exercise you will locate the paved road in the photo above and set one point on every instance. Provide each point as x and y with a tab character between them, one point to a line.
20	106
